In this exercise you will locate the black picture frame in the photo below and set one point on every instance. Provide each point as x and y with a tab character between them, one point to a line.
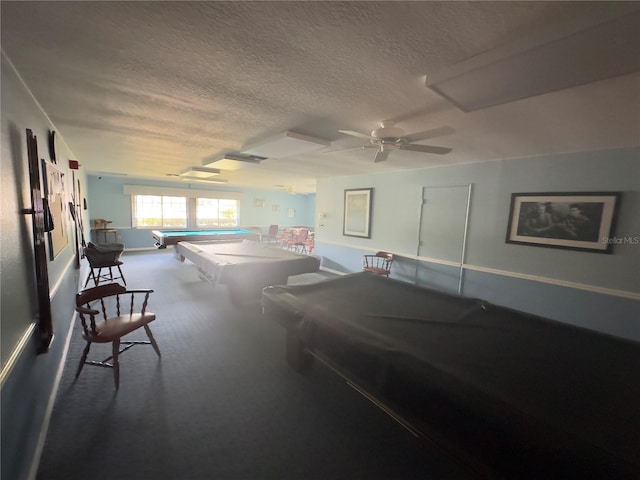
570	220
357	212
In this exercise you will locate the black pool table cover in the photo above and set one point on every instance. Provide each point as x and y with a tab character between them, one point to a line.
528	396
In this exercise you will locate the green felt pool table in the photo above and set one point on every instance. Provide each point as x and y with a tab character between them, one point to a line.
163	238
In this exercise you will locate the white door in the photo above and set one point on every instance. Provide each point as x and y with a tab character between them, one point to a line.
443	228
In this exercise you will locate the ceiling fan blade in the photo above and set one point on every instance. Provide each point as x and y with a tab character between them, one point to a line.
355	134
362	147
434	132
381	156
426	149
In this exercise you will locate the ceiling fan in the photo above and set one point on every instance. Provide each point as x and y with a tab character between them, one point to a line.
388	137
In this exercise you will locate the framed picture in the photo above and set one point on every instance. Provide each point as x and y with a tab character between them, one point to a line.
357	212
55	206
576	221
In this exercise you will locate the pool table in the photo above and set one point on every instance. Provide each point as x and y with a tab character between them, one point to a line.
246	267
510	394
163	238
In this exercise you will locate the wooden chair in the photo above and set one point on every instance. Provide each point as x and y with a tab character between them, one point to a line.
108	323
103	256
271	235
380	263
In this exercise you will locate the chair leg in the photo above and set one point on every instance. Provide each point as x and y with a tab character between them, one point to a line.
91	275
85	353
116	363
121	275
152	340
97	280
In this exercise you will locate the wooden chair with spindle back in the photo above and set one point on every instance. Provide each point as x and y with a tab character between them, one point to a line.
109	322
380	263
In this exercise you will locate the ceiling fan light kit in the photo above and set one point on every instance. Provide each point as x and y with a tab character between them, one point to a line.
388	137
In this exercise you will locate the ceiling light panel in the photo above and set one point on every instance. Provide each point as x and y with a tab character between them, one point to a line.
285	145
513	72
234	162
200	172
203	180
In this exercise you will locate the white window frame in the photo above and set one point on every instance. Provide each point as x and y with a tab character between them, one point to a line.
219	214
191	196
164	200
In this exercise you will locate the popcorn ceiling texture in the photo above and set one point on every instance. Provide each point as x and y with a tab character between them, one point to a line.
150	88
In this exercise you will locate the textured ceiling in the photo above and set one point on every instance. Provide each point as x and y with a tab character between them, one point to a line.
152	88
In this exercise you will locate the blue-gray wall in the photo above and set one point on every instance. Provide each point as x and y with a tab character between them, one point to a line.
28	379
598	291
106	200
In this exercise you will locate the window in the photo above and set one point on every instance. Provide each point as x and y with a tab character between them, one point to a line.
169	211
155	211
214	212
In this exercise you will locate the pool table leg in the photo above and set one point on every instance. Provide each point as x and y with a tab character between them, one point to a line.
298	357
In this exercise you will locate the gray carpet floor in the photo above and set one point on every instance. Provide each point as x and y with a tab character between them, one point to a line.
221	403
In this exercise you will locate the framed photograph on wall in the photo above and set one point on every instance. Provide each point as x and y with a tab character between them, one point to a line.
575	221
357	212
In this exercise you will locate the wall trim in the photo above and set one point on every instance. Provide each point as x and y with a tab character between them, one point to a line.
140	249
35	464
331	270
557	282
349	245
17	353
27	335
506	273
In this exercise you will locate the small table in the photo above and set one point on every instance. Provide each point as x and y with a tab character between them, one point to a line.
105	232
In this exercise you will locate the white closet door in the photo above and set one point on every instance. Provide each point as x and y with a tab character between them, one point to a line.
443	227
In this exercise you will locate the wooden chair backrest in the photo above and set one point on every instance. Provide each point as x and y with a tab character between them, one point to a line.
378	263
387	255
108	309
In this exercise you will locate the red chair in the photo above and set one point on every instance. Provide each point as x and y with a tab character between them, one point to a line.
285	237
379	264
299	243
